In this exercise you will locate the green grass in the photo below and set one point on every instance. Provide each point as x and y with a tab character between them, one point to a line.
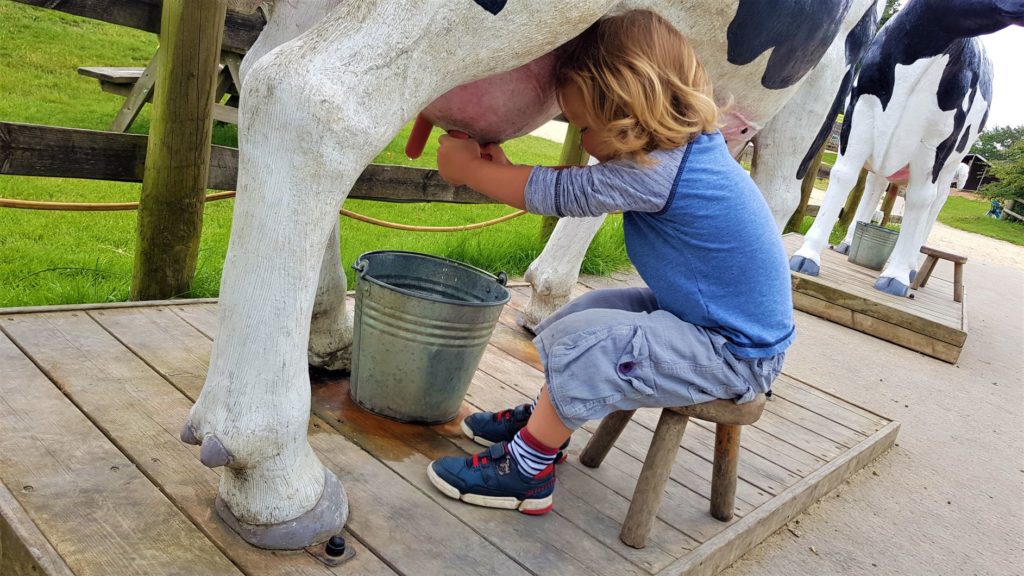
969	214
829	158
78	257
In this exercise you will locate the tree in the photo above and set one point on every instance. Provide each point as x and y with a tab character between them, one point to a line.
995	143
1010	173
891	8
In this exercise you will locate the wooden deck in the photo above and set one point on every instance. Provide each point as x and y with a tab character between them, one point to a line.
930	322
95	480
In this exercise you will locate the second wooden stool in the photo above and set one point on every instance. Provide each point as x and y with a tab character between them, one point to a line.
728	418
934	256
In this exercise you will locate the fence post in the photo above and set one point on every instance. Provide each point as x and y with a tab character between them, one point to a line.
850	210
806	187
890	200
573	154
178	153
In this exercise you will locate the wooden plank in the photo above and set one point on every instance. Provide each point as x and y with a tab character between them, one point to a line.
100	513
578	500
378	436
884	330
104	306
814	422
873	308
112	74
173	466
240	28
180	354
34	150
743	535
23	547
831	407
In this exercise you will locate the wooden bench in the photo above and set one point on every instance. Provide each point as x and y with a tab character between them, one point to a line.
934	256
728	417
136	85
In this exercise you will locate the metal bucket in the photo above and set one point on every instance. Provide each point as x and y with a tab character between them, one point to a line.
421	325
872	245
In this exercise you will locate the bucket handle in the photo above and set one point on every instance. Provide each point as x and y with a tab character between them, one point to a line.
502	278
360	267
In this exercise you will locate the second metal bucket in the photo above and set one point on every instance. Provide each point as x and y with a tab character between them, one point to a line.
421	325
872	245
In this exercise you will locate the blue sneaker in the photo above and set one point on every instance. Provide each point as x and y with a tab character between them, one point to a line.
492	478
487	428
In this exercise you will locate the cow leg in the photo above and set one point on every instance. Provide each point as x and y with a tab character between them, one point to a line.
286	20
873	190
931	212
921	193
555	272
330	330
842	179
313	116
330	334
780	147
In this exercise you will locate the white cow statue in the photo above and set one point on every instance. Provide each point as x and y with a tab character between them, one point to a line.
329	83
921	98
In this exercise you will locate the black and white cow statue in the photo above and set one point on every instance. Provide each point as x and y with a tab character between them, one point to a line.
336	81
921	98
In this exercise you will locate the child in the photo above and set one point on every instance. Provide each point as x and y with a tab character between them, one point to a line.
717	316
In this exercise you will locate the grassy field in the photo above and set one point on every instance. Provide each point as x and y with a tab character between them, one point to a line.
76	257
969	214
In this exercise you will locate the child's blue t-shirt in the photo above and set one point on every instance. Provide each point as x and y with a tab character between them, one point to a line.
699	233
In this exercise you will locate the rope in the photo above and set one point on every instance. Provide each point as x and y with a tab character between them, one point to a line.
110	206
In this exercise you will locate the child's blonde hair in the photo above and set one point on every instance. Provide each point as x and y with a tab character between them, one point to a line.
638	75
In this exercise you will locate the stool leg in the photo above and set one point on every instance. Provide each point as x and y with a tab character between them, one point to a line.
958	282
653	477
603	440
925	272
723	476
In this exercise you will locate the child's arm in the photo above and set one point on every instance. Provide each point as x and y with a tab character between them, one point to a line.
460	163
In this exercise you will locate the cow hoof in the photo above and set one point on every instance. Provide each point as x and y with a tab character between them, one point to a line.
804	265
842	248
318	524
891	286
188	434
213	454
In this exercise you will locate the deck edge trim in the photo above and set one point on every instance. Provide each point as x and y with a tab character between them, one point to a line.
29	539
719	552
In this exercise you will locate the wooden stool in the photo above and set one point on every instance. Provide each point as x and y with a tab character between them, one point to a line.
728	418
933	256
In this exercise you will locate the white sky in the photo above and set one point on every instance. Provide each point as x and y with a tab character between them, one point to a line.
1006	49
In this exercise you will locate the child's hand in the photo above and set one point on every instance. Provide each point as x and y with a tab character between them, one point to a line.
495	154
454	157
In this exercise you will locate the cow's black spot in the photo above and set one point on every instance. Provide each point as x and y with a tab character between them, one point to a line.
857	42
492	6
967	73
798	32
923	29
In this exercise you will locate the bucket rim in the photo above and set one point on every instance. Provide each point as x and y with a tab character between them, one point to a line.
867	227
500	279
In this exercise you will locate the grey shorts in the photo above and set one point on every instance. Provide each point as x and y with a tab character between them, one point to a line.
611	350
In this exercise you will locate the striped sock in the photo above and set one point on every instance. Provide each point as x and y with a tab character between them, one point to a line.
532	457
